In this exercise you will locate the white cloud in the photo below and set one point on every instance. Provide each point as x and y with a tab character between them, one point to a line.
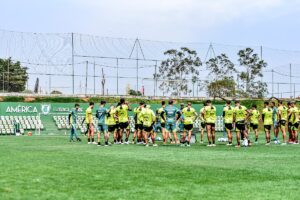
164	18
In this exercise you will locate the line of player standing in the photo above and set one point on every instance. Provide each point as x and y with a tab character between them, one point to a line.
115	120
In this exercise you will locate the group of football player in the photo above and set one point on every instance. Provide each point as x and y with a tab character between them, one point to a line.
170	120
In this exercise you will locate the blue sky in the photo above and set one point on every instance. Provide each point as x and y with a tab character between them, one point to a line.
271	23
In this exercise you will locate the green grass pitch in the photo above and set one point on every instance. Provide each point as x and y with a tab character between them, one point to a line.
49	167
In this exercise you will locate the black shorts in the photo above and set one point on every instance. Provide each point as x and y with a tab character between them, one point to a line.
268	127
228	126
282	123
296	125
138	127
188	127
163	125
148	129
88	126
123	125
240	126
254	126
203	124
210	124
112	128
117	126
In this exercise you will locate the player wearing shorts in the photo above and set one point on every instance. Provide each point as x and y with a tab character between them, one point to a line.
202	123
73	117
282	116
267	117
240	115
111	122
163	122
228	113
138	123
102	127
181	124
171	115
294	118
290	123
148	119
254	121
210	117
90	123
275	121
189	116
122	113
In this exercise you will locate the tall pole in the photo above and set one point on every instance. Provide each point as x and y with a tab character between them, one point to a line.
94	77
272	83
197	92
278	89
73	71
155	80
294	90
261	58
137	69
117	76
8	65
50	80
3	83
86	76
291	81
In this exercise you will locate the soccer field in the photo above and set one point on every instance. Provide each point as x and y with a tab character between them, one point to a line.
49	167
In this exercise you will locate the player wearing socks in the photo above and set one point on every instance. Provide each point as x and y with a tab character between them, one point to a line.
189	116
163	122
240	115
282	116
122	113
111	123
275	120
267	115
138	123
254	121
210	117
148	118
202	123
102	128
170	115
228	113
181	124
90	123
73	117
294	118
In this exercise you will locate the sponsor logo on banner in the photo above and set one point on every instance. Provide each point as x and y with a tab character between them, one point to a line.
21	109
45	108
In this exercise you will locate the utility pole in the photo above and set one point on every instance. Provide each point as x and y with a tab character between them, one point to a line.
73	71
117	76
8	65
155	78
272	83
103	83
94	77
86	76
291	81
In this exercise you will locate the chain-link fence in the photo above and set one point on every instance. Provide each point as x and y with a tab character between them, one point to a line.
86	64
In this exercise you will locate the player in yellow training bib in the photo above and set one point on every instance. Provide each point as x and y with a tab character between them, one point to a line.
228	113
90	123
254	121
267	115
148	119
189	116
210	117
122	113
282	116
